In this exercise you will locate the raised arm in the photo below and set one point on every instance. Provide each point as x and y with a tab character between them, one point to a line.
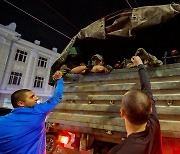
50	104
144	80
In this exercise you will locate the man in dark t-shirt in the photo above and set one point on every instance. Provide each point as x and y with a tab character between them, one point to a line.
141	122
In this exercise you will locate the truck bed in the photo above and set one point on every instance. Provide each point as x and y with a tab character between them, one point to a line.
91	102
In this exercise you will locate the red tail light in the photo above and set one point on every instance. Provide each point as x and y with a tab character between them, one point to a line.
63	139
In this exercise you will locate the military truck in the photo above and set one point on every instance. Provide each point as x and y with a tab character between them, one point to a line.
87	120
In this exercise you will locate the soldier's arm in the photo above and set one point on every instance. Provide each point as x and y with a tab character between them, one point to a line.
79	69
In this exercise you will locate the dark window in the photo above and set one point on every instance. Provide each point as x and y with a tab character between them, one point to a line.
15	78
21	56
38	83
42	62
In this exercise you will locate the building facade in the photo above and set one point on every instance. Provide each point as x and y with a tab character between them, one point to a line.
23	65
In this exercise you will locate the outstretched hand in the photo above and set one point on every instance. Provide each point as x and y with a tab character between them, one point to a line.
57	75
99	68
136	60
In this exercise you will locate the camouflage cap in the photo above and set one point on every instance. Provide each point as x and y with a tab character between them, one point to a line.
97	56
73	51
141	52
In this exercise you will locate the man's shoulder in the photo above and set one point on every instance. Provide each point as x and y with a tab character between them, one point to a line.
128	147
115	149
154	118
153	122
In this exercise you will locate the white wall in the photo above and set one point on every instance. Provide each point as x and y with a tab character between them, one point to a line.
10	42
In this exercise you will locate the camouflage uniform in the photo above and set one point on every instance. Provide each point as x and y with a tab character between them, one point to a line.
69	64
147	59
64	67
99	60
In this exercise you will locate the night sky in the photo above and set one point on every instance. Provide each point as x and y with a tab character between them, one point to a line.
80	13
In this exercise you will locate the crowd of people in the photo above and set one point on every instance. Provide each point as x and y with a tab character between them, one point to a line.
97	65
148	59
23	130
94	65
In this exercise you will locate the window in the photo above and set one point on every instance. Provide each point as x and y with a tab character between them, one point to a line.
42	62
15	78
38	83
21	56
7	102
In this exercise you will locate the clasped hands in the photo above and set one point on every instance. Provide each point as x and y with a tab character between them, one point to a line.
57	75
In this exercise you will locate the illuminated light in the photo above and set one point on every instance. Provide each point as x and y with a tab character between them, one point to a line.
54	124
63	139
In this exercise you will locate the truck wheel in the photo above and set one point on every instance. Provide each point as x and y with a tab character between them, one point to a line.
51	143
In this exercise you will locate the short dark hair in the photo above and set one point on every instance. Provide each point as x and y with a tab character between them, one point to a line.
19	95
137	106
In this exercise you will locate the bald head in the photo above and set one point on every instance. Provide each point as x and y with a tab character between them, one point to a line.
137	106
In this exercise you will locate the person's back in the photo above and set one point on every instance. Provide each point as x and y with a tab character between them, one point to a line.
23	130
145	142
142	125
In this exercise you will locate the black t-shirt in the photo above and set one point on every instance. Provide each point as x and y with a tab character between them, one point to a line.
148	141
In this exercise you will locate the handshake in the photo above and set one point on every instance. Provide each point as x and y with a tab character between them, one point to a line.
57	75
89	66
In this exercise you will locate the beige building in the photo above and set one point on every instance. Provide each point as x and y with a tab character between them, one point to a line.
23	65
